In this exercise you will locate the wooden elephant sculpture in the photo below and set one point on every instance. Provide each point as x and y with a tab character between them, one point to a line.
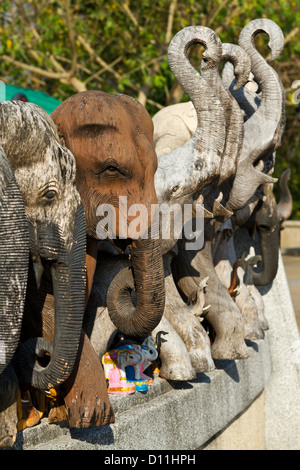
111	137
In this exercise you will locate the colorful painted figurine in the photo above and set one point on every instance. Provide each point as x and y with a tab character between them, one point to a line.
114	363
124	367
136	374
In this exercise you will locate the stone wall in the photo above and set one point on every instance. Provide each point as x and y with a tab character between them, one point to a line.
244	404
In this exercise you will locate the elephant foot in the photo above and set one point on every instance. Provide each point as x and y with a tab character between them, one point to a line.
248	308
263	323
85	392
9	391
174	357
58	413
188	326
198	344
202	362
28	415
260	307
227	327
229	349
254	332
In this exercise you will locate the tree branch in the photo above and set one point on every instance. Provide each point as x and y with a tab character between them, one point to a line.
127	10
33	69
172	8
71	38
84	42
291	34
63	77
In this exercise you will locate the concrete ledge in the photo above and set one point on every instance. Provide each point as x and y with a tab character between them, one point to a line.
290	236
181	416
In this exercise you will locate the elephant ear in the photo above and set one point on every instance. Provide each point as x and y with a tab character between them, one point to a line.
14	258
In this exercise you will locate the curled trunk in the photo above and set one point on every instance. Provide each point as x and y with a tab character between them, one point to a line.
196	163
267	123
233	116
138	317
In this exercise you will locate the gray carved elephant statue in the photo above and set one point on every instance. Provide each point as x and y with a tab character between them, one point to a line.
201	165
45	172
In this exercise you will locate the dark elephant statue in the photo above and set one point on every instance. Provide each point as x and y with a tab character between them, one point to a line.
269	217
111	137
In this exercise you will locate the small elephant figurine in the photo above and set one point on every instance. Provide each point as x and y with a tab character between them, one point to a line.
114	363
136	374
124	366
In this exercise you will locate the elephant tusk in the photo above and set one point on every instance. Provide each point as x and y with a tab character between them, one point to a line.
38	270
51	393
206	308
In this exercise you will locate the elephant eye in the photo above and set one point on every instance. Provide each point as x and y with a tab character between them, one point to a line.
264	228
50	194
111	169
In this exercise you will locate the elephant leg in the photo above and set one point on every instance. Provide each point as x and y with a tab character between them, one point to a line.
91	263
260	306
102	332
85	393
89	403
188	327
223	315
243	299
175	360
9	391
28	415
137	371
252	327
227	322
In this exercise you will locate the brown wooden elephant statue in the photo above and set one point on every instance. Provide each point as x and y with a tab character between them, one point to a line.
111	137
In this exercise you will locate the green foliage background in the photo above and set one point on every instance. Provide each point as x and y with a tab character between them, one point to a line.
62	47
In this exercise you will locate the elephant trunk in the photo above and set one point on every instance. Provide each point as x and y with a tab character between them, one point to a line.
267	224
14	257
285	204
267	123
139	317
68	280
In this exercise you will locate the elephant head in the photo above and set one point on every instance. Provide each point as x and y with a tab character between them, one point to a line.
266	123
14	258
45	172
269	217
196	163
111	137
